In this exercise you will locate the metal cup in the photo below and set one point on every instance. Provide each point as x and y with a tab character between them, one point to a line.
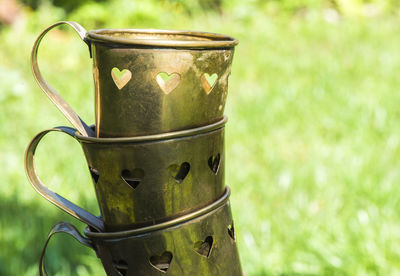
144	180
150	81
200	243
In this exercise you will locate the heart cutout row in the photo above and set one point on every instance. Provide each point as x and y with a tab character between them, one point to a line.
163	262
121	78
132	178
204	247
167	82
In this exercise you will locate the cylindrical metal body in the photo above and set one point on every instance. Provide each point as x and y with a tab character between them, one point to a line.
156	153
145	180
186	97
150	81
200	243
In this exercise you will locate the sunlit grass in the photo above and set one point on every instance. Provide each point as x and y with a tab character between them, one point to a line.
313	141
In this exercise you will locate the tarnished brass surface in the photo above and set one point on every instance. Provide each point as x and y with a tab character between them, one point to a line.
203	247
156	153
146	182
150	81
163	225
201	243
147	104
167	178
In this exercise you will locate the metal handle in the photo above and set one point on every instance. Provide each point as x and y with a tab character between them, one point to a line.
62	227
51	196
61	104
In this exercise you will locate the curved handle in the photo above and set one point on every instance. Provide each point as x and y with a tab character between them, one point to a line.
62	227
61	104
51	196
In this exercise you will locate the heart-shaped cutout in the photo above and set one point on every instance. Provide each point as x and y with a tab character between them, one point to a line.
168	82
121	267
208	82
204	247
95	174
132	178
231	231
179	173
213	163
121	78
161	263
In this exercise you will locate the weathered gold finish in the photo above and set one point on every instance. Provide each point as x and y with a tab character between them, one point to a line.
155	155
143	180
197	244
150	81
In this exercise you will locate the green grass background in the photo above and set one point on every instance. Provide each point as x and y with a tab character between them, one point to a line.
312	140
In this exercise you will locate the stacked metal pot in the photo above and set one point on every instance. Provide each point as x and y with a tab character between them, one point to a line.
155	154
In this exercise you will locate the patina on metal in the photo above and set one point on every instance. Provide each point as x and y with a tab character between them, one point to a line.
145	180
200	243
150	81
155	154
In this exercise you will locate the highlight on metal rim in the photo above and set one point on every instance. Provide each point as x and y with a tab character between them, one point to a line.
163	38
155	137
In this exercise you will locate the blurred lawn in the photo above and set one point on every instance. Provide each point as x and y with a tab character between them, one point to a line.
312	140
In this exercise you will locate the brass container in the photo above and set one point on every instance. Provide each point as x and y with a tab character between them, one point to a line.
145	180
150	81
200	243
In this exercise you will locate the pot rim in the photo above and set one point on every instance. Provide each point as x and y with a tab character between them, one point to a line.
194	39
154	137
167	224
